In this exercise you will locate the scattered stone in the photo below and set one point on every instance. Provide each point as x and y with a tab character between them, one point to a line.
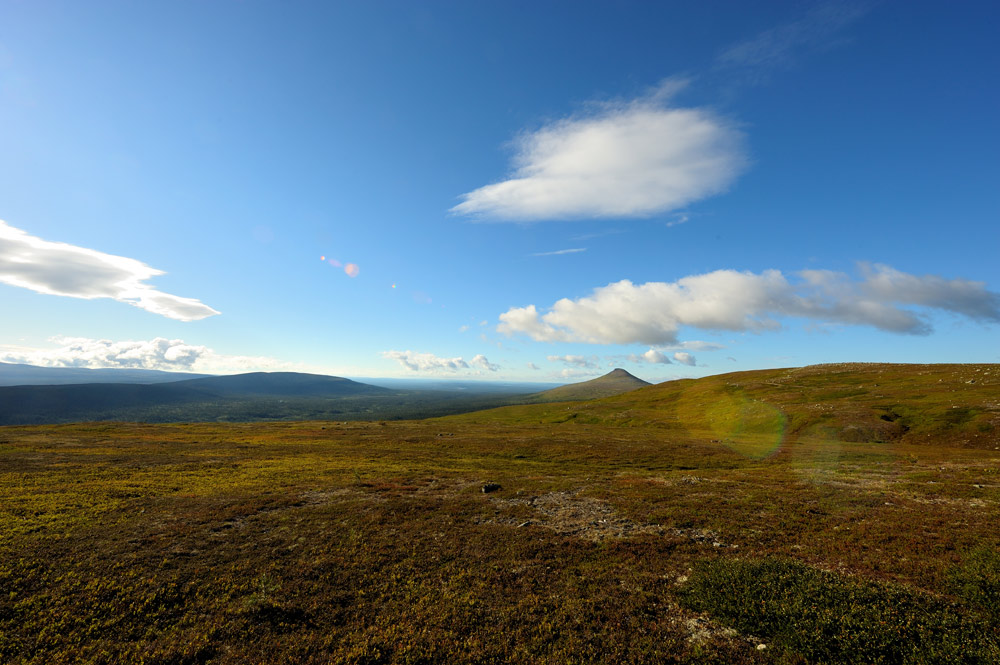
701	629
761	647
567	513
524	524
490	487
701	536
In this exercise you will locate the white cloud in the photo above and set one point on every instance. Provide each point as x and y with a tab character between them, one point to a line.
576	361
684	358
61	269
430	363
158	353
652	356
652	313
627	159
656	356
463	329
481	362
533	366
526	320
425	362
559	252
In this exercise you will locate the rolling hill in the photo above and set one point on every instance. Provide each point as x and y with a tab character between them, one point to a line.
283	384
859	402
615	382
257	395
14	374
754	518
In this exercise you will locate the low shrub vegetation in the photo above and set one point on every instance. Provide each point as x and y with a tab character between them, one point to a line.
658	526
825	617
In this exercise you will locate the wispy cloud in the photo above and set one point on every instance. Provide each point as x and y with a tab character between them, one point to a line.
779	47
158	353
652	313
697	345
575	361
570	373
433	364
575	250
657	356
597	234
625	159
61	269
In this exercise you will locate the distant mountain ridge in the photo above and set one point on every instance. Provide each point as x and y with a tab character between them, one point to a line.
30	404
291	384
16	374
615	382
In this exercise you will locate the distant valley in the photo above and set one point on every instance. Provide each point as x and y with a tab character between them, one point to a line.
76	394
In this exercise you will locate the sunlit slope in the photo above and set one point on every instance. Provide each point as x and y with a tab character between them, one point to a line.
952	404
615	382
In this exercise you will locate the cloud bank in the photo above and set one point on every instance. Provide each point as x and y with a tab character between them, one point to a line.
627	159
61	269
172	355
652	313
432	364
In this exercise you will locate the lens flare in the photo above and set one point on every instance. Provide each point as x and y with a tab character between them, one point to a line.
746	426
350	269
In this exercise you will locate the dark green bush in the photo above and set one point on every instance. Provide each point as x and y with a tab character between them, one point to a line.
826	617
977	580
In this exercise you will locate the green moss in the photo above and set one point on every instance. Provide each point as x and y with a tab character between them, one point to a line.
977	578
826	617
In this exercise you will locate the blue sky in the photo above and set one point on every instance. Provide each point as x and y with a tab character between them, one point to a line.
510	191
